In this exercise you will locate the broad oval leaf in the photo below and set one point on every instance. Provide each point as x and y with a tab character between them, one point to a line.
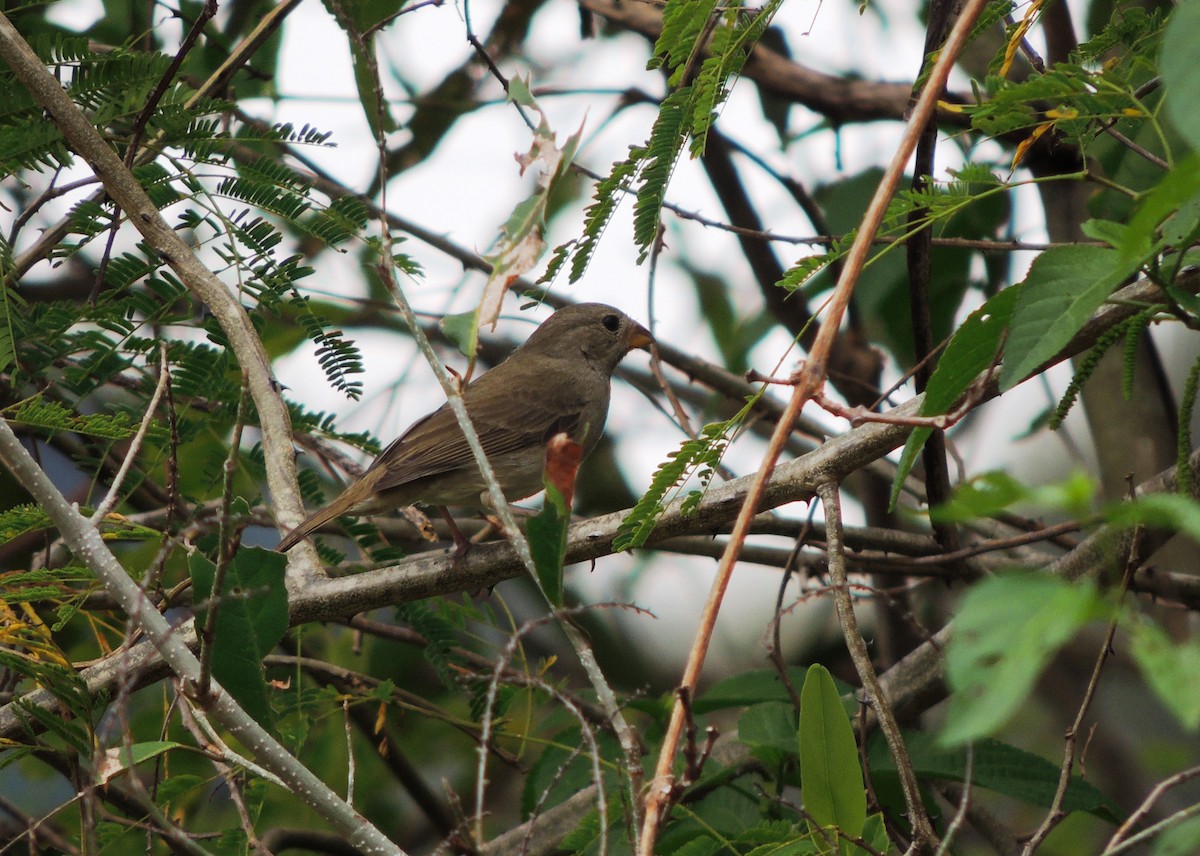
831	782
1064	287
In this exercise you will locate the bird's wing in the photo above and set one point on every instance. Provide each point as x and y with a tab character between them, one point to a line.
507	419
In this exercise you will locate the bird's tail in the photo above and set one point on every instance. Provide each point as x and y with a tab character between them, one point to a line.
314	521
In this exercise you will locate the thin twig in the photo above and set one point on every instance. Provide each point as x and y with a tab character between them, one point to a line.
207	10
964	803
135	445
1055	814
1153	830
225	550
1140	813
350	765
924	838
585	727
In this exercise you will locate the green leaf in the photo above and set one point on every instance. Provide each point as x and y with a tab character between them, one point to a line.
971	352
67	686
548	543
463	331
1175	192
252	618
831	782
875	834
747	688
121	758
770	725
700	457
1108	231
1006	631
11	303
1179	59
1181	840
1170	670
990	493
51	416
21	520
1064	287
998	767
1160	510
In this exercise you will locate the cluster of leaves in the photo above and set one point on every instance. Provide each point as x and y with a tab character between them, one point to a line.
699	85
740	801
98	352
697	458
79	371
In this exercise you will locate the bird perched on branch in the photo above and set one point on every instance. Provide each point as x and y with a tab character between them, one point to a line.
558	382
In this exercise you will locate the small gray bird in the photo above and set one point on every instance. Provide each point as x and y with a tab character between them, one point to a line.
558	381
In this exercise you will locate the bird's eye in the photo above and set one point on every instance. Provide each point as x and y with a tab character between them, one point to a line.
611	323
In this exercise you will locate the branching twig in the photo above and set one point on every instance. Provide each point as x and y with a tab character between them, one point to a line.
1138	815
585	728
225	550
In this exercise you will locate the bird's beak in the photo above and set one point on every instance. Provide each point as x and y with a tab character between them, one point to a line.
638	337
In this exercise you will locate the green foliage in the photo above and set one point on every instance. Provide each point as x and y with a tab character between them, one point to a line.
1187	409
698	457
435	623
1064	287
996	766
1131	331
128	756
1170	669
608	194
50	416
1180	57
21	519
972	351
748	688
1100	80
33	657
990	493
830	775
699	87
10	304
1160	510
971	202
43	584
251	619
548	543
338	357
1006	631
